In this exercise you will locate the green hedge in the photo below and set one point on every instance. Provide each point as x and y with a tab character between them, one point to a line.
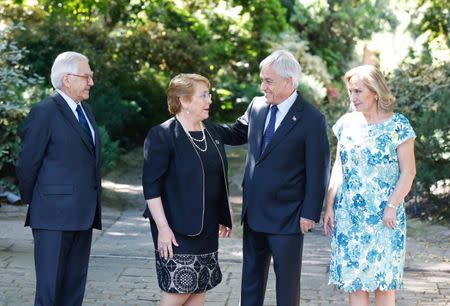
423	95
10	118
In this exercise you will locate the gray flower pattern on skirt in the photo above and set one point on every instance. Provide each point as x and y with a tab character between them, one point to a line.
186	273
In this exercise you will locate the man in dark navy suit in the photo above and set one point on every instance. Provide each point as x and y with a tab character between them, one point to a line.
284	183
58	172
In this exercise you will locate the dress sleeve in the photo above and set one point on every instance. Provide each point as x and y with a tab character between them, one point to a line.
156	162
337	127
403	131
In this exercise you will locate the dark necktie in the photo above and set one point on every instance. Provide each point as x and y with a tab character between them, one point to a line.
83	123
270	127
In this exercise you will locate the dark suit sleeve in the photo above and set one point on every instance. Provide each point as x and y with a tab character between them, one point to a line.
317	159
156	162
35	136
237	133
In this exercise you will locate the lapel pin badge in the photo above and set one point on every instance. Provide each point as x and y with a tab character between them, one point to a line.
294	118
217	142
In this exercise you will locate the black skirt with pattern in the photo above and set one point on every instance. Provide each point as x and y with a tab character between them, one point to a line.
187	273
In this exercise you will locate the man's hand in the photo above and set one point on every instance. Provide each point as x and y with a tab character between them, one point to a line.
306	225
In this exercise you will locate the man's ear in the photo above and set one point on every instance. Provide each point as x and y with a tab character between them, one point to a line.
65	81
290	81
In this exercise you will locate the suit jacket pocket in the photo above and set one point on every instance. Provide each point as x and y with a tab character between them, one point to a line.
290	194
56	189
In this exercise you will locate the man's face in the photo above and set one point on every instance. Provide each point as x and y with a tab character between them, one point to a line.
275	88
77	85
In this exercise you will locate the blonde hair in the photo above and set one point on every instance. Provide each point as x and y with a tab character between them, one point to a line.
374	80
182	85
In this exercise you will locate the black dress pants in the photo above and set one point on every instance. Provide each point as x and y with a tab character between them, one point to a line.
286	251
61	262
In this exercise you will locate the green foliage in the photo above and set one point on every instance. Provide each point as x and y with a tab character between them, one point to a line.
423	95
15	90
333	27
432	16
10	118
110	151
136	47
233	97
14	76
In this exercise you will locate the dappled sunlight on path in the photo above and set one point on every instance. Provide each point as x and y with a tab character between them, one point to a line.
122	188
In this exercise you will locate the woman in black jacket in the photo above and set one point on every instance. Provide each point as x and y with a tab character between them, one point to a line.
186	188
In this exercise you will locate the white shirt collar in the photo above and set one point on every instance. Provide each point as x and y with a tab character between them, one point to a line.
284	106
72	104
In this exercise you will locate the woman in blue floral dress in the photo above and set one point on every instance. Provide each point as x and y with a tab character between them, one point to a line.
373	172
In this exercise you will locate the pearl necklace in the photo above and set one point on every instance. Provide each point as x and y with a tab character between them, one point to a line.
193	140
199	140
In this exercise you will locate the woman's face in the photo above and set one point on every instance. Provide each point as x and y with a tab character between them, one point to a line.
362	98
198	105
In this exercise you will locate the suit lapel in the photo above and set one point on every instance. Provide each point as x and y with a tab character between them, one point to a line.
290	120
258	130
70	117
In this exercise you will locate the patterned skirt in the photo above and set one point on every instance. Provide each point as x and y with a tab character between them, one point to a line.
187	273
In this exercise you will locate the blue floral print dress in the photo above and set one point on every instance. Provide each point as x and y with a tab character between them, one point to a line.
365	255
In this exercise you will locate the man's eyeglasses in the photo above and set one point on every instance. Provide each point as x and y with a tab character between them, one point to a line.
205	96
84	76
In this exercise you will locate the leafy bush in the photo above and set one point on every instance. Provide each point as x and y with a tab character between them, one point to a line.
16	90
423	95
136	47
10	118
333	27
110	151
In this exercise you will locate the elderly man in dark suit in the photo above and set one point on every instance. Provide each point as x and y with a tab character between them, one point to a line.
58	172
285	180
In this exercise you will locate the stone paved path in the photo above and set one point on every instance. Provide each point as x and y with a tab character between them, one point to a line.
122	268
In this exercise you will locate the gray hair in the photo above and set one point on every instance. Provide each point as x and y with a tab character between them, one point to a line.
285	64
66	62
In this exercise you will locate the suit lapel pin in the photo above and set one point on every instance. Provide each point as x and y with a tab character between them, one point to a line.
294	118
217	142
